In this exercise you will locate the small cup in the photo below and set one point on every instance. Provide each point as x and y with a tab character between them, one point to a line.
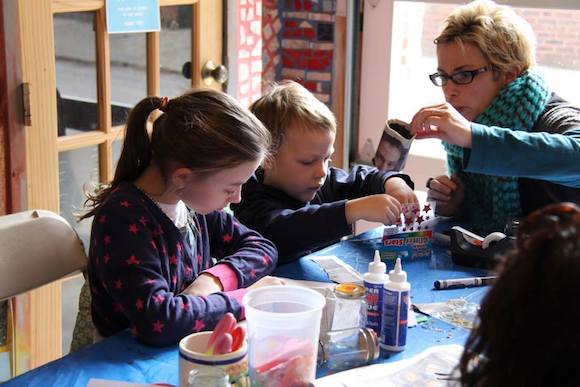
192	356
394	145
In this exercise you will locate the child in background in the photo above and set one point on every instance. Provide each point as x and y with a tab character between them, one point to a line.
295	198
165	259
528	329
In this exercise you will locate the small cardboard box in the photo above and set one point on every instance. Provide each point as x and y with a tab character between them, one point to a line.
406	244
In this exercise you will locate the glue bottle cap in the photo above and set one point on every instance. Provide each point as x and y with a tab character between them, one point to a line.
377	266
398	274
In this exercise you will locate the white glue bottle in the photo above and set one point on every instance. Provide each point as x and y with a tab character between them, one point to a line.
374	280
395	310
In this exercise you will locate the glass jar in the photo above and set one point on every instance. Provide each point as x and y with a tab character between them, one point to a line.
347	348
208	376
350	308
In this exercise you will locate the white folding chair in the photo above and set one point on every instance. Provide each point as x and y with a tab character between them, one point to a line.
37	247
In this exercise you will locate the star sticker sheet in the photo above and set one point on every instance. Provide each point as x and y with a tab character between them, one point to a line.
411	236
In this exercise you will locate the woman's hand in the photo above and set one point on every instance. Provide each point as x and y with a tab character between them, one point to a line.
448	194
444	122
204	285
267	281
398	188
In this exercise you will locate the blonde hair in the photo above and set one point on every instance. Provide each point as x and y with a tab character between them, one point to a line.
505	39
289	104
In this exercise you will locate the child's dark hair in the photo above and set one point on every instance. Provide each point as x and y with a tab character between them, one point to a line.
203	130
528	329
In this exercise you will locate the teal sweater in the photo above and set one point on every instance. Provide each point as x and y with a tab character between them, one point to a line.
545	160
505	152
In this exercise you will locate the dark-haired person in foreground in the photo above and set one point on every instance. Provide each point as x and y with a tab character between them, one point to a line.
528	333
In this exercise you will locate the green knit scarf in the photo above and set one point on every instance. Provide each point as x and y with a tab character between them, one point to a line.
491	200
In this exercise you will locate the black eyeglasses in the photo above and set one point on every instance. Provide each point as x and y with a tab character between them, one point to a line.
459	78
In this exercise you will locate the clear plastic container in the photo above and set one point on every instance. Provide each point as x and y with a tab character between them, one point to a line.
283	329
350	308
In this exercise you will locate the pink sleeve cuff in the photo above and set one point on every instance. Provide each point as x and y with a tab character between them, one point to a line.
238	295
226	275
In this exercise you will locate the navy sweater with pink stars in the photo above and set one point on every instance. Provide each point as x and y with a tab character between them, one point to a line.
139	264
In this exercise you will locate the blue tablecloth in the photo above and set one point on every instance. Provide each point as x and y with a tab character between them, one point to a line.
123	358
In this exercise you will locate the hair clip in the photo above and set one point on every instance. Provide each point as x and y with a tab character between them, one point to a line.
163	104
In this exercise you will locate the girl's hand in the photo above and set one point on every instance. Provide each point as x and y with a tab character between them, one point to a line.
204	285
397	188
443	122
381	208
267	281
448	193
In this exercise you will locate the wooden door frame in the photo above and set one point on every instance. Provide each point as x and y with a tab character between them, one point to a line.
11	112
212	29
340	156
43	334
34	21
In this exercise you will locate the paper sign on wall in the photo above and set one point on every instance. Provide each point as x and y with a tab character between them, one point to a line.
133	16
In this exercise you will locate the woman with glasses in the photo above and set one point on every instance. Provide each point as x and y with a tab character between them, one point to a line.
512	144
527	331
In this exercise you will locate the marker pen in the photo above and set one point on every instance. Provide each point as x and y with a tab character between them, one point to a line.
463	282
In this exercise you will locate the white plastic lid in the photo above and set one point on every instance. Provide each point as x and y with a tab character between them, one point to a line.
377	266
398	274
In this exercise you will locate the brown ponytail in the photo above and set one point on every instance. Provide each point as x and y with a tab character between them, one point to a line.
136	153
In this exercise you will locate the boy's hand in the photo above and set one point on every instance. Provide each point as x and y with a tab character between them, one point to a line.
448	194
398	188
204	285
381	208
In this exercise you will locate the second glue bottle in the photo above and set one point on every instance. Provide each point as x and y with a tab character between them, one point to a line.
374	280
393	335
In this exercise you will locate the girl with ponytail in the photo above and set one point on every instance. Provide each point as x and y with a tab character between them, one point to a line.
165	259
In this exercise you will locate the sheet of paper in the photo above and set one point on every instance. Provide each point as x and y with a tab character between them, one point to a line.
337	270
430	368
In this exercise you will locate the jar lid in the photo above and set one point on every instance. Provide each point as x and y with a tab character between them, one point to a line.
349	290
372	342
